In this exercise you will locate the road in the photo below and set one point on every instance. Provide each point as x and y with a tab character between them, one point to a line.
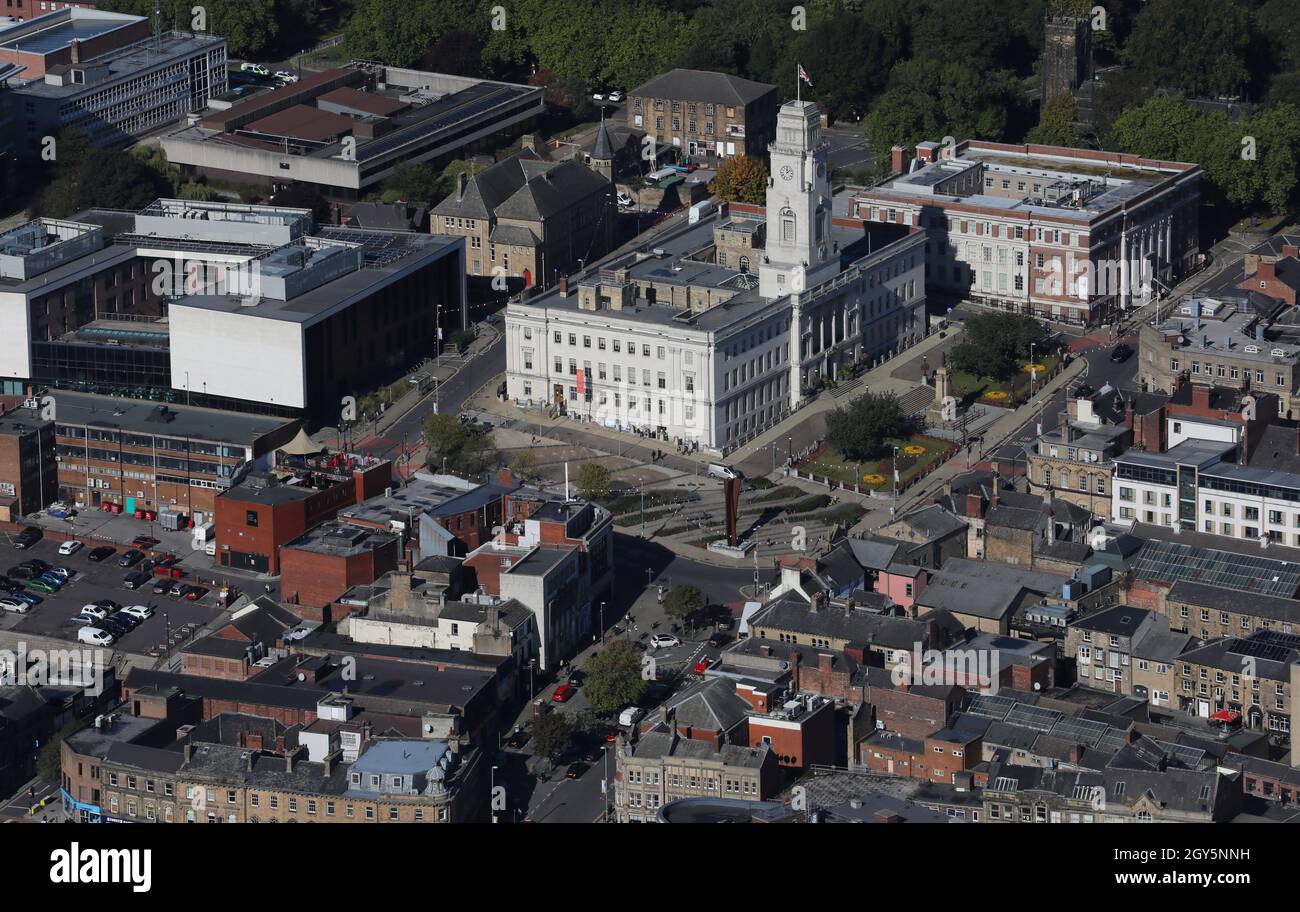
450	399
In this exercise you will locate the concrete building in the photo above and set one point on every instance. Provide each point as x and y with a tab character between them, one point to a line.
1071	235
705	114
529	221
696	341
220	304
1235	342
104	74
344	130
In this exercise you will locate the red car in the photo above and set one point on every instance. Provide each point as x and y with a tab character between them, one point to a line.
194	593
703	665
563	693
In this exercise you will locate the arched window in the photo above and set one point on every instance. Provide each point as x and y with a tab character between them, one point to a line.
787	224
744	264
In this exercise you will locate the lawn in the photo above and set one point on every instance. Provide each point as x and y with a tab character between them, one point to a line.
1000	392
879	474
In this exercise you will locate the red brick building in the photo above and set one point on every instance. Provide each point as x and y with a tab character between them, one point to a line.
232	651
262	513
937	757
324	562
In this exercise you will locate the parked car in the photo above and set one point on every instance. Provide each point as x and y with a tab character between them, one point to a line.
42	585
27	597
616	96
1083	391
144	542
8	585
518	739
286	77
135	580
66	572
95	610
38	565
257	68
85	620
177	588
108	604
72	546
162	586
1119	354
624	199
575	770
15	605
143	612
564	693
719	639
101	553
28	537
194	593
631	715
703	665
23	572
664	641
597	96
130	558
50	576
126	621
113	626
95	636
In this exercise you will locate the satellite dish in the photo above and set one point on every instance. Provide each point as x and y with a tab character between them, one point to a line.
428	727
1038	686
301	677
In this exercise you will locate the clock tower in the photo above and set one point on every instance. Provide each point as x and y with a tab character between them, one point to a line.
799	252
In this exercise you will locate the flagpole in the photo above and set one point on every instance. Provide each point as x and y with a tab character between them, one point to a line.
798	88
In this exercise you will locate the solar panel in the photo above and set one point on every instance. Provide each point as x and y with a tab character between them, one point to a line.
1172	561
1187	756
1113	740
1267	644
1005	784
1033	717
423	129
991	707
1081	731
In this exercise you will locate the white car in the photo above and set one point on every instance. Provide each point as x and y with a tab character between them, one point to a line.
94	636
598	96
254	68
142	612
71	546
624	200
664	640
616	96
12	604
63	572
285	76
94	611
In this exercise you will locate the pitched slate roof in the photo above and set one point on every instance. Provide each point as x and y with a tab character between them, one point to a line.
711	705
703	85
852	624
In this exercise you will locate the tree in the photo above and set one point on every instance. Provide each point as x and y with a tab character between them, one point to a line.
994	343
106	179
741	179
552	736
415	183
683	601
848	62
524	464
398	32
1056	127
614	678
593	481
859	430
1196	46
466	448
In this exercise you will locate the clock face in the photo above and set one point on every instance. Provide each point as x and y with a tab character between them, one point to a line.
787	172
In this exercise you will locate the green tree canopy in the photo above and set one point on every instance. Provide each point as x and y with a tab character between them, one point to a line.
593	481
1196	46
614	678
993	343
1056	127
859	430
466	448
683	601
552	735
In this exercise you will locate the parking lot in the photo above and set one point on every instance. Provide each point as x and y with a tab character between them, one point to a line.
174	617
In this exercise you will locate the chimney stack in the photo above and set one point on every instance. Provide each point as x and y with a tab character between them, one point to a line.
74	51
897	160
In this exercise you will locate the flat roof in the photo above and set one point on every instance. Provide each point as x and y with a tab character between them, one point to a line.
53	32
128	62
339	539
136	416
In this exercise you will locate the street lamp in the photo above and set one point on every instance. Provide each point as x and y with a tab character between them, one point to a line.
602	622
895	506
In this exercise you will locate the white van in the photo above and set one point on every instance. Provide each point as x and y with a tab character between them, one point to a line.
720	470
631	716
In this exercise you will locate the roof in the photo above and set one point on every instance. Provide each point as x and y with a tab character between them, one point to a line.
1219	598
1120	620
137	416
401	756
603	149
874	552
711	705
659	743
984	589
789	612
368	102
703	85
1239	569
933	522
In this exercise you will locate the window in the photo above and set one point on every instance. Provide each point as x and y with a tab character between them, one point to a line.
250	518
